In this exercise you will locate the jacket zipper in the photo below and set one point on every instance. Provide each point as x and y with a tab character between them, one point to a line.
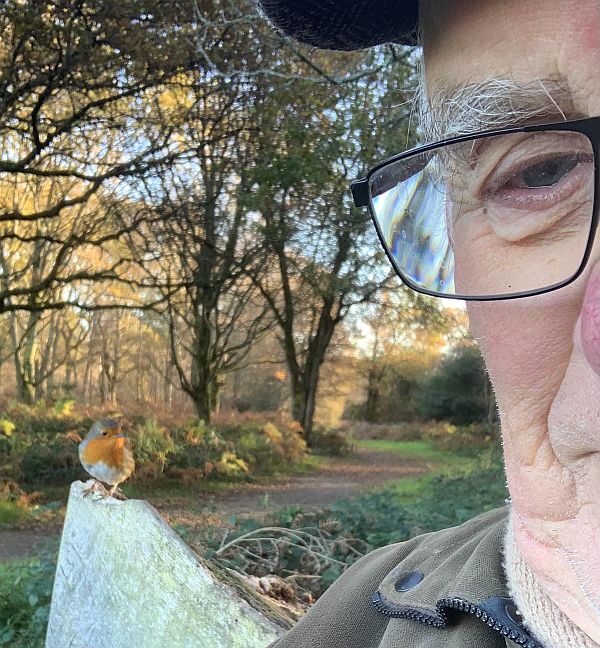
387	608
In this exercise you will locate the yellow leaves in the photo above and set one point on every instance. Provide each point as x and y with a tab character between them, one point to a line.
231	464
275	437
7	427
175	100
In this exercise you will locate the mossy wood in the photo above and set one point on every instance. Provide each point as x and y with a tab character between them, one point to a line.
125	579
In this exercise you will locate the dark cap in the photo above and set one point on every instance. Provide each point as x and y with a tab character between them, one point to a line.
345	24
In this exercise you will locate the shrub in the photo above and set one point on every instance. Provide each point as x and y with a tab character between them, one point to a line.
152	444
12	509
25	591
15	504
50	462
404	431
231	465
39	419
379	519
197	447
64	407
6	427
35	447
458	390
202	452
439	431
7	443
446	436
235	449
275	438
331	442
302	560
265	446
294	445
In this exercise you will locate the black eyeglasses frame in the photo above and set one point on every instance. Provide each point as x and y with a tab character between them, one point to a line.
589	126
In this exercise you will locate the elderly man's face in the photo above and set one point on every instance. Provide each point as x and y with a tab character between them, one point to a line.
543	353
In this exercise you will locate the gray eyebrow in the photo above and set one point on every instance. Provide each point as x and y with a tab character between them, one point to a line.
492	104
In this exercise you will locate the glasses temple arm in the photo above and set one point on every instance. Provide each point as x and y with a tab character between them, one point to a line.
360	192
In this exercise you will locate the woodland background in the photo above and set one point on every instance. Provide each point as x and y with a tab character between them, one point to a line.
176	227
178	245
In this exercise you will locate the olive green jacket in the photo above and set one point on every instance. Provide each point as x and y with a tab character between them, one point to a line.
439	590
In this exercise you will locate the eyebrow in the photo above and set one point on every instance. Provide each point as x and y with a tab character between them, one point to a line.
494	104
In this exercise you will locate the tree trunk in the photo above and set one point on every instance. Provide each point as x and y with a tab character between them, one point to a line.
202	370
139	377
21	385
305	386
168	384
44	373
26	381
201	380
373	394
87	374
115	377
111	358
215	394
202	405
25	390
309	411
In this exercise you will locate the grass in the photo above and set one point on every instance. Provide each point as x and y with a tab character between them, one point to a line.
306	465
424	450
12	513
435	459
440	463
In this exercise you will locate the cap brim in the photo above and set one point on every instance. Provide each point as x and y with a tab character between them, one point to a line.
345	25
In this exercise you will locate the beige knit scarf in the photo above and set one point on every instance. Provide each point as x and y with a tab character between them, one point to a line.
544	621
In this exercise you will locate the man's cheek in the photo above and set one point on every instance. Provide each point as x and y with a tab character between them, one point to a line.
590	321
526	344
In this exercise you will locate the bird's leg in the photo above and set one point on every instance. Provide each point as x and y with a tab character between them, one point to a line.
96	487
117	493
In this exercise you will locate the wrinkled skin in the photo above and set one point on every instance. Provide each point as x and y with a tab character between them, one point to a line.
542	353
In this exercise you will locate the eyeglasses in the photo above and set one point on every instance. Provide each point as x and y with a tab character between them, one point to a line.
497	215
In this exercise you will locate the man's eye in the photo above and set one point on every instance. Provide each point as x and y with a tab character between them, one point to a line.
546	173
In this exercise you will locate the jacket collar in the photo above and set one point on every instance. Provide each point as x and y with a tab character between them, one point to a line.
455	572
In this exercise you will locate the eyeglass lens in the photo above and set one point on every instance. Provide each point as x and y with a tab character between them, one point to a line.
490	216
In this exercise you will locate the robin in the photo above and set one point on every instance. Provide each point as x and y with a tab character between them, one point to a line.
106	455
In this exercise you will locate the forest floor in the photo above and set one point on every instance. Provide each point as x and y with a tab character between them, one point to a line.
332	478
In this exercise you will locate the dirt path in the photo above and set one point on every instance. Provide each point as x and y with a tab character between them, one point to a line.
343	477
339	477
21	543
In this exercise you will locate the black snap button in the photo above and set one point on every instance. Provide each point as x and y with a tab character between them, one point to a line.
408	581
513	613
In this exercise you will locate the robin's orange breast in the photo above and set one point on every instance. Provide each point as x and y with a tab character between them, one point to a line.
109	451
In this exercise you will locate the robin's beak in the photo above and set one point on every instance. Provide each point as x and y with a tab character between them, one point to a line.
119	436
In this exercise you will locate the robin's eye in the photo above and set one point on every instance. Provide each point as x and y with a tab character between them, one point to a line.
104	433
